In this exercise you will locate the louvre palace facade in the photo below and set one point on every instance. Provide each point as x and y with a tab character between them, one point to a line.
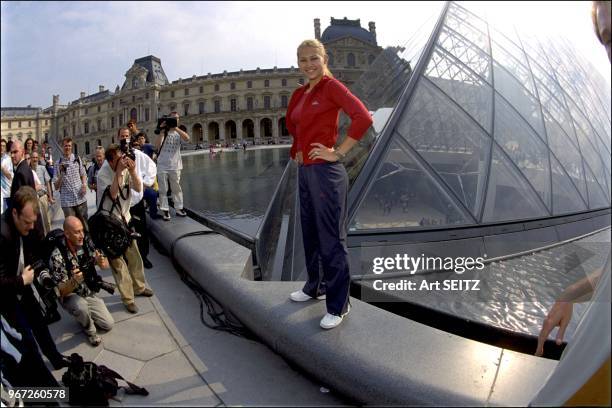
224	108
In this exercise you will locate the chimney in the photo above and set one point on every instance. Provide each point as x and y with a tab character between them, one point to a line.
317	27
372	27
55	100
82	94
100	88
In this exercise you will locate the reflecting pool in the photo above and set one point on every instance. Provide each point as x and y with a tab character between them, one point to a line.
233	187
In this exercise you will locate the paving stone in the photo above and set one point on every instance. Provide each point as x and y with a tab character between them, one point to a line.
120	313
127	367
143	337
171	380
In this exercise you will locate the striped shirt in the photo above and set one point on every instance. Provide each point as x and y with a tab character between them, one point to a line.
70	191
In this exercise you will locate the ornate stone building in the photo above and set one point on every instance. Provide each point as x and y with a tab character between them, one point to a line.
225	108
20	123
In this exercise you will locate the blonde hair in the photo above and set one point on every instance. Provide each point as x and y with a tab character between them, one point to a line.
317	45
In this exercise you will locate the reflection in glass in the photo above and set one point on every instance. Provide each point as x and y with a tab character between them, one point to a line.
565	197
509	197
597	198
523	147
449	141
519	97
470	91
592	159
468	25
404	195
567	153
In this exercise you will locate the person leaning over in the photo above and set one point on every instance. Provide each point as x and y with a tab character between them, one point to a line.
73	257
71	181
312	120
169	166
118	174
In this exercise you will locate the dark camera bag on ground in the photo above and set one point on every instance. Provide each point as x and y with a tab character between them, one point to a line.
109	233
90	384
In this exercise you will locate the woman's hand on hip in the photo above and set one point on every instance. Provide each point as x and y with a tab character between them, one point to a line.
321	152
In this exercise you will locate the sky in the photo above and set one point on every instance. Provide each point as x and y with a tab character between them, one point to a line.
64	48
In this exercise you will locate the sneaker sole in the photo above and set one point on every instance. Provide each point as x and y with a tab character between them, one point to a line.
322	297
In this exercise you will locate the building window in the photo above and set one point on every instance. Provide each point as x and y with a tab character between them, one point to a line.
19	124
201	107
284	82
350	59
172	94
112	104
217	106
233	106
249	84
267	102
216	87
65	132
330	59
267	83
147	115
250	103
29	123
186	91
11	123
147	95
133	98
47	137
133	114
98	108
86	111
73	129
86	127
112	122
284	101
120	119
186	106
232	86
134	83
371	59
86	147
73	113
201	89
99	124
301	81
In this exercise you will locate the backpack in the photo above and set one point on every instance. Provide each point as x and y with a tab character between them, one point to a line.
92	384
109	234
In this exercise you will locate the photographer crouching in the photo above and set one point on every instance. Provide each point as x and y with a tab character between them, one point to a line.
169	163
116	180
73	269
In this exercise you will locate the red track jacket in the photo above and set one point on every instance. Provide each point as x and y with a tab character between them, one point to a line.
319	120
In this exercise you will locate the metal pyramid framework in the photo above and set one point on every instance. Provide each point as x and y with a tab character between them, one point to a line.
489	127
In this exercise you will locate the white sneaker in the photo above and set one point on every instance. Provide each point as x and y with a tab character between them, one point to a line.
329	321
300	296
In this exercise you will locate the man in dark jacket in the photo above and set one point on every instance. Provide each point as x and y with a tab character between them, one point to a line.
22	172
19	304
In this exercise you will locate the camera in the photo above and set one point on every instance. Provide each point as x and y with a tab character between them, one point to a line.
42	275
63	167
171	122
127	150
87	266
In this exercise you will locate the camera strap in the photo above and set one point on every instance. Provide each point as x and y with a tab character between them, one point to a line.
163	143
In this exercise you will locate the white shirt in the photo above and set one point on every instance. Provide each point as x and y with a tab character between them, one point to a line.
105	179
146	170
169	157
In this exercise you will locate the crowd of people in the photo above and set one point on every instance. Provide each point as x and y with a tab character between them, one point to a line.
42	268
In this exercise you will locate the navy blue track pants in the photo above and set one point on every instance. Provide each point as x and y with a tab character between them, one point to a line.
323	194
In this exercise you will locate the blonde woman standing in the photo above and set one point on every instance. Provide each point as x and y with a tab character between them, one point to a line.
312	120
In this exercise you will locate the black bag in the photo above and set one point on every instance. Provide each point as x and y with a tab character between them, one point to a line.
92	385
109	233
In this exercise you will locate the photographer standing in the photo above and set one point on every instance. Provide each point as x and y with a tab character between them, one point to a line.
71	181
118	174
169	164
73	270
21	302
146	170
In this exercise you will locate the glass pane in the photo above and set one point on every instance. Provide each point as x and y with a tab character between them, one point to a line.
567	153
467	89
472	56
557	110
468	25
519	97
404	195
591	157
523	147
565	197
512	58
449	141
509	197
597	198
